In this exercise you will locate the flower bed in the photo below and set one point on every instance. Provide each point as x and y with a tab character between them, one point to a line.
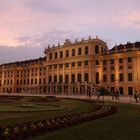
45	99
10	98
31	108
31	129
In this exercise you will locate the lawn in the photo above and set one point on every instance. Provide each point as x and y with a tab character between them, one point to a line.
12	118
124	125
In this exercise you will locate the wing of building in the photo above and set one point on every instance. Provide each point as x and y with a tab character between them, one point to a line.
69	68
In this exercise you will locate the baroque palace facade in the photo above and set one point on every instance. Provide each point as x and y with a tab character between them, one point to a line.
69	68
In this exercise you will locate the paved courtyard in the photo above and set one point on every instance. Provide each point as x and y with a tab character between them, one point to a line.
122	99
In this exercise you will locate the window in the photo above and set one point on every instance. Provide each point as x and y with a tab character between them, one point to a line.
31	81
104	78
50	66
112	77
104	62
50	57
21	82
24	81
97	62
55	78
130	90
120	67
60	78
129	59
79	51
96	49
120	60
102	49
73	64
129	66
86	63
86	50
112	61
86	77
79	63
112	67
73	78
67	65
35	81
66	78
28	81
61	54
79	77
55	55
44	81
67	53
121	90
61	65
97	78
121	77
50	79
104	68
40	81
55	66
130	77
73	52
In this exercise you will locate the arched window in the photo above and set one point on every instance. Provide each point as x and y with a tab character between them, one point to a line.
73	52
50	56
79	77
50	79
96	49
97	62
73	78
35	81
55	55
79	51
60	78
86	77
67	53
66	78
55	78
86	50
97	77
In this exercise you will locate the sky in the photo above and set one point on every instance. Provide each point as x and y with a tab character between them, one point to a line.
27	26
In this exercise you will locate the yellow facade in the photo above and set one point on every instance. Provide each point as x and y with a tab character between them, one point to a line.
68	69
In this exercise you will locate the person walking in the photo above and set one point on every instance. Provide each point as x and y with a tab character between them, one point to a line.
113	94
117	94
139	95
136	96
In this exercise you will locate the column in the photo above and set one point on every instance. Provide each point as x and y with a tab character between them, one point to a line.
50	88
78	88
62	88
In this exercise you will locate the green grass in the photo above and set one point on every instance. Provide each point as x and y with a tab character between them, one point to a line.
124	125
72	106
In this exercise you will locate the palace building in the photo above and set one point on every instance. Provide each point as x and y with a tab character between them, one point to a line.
71	67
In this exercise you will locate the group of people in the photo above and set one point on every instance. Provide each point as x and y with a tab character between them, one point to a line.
97	90
115	94
101	91
137	96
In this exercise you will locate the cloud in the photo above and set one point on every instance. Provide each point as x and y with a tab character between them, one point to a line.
38	22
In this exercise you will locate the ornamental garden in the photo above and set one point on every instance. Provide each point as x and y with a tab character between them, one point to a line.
41	118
